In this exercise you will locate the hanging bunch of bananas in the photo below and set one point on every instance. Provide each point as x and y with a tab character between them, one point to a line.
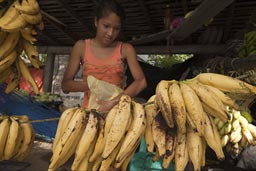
19	24
237	133
248	47
99	142
181	118
17	137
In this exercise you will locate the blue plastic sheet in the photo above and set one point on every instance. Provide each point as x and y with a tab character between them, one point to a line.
16	103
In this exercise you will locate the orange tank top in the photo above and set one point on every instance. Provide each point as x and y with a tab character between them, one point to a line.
110	69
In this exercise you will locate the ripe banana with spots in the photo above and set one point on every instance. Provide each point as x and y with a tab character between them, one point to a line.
64	120
87	138
151	112
30	7
162	100
135	131
9	44
63	149
12	138
119	125
178	107
4	131
194	107
225	83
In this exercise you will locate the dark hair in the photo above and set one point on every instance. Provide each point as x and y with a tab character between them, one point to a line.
104	7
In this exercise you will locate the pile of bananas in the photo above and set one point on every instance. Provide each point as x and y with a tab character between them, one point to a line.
17	137
19	25
237	133
181	118
249	45
99	142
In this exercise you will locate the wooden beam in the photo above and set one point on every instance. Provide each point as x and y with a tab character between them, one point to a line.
146	14
202	14
208	9
62	29
72	13
184	49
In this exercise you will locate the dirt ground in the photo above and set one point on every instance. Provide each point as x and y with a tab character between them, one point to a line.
37	160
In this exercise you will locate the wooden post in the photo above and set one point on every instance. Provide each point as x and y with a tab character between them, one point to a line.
48	72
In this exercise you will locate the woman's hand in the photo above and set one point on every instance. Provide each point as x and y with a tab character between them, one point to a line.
105	106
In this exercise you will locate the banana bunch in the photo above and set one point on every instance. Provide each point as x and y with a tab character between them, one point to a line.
181	117
17	137
237	133
248	47
99	142
18	27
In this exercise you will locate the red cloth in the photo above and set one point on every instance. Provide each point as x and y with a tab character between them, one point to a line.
38	76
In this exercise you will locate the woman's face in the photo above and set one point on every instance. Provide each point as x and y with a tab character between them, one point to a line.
108	28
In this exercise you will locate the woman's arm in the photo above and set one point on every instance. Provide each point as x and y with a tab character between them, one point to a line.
68	83
139	82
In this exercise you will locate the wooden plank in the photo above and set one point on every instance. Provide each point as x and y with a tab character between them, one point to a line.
203	13
183	49
207	10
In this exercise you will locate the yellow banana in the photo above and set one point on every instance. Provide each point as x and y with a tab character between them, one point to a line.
4	131
15	25
3	35
11	139
212	137
10	14
30	7
85	164
162	100
106	164
19	142
243	142
9	44
28	139
225	83
190	122
181	152
235	135
119	125
210	99
32	19
252	129
87	138
248	135
64	120
223	97
119	164
194	107
151	112
211	111
32	53
178	107
224	140
195	147
62	151
27	35
8	61
170	148
135	131
101	139
159	133
27	75
40	26
13	79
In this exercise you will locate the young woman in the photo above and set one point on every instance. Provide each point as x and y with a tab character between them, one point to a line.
104	57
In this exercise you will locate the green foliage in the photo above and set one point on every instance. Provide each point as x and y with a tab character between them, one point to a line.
166	61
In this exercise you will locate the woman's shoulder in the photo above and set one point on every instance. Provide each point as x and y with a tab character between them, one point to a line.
127	47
